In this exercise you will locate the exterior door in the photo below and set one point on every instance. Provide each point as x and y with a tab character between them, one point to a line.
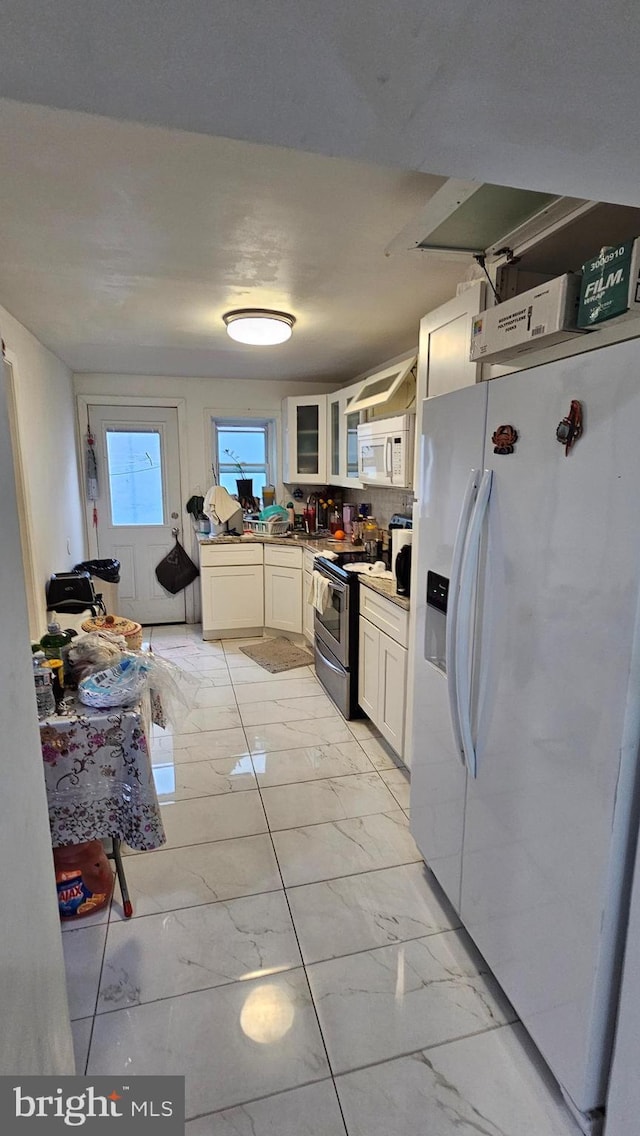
139	504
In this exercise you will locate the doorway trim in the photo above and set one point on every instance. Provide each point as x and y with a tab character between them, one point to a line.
83	402
22	497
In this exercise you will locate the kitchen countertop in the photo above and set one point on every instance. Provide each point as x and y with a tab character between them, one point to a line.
386	588
321	545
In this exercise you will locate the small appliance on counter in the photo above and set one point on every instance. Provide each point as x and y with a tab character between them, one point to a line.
400	534
402	569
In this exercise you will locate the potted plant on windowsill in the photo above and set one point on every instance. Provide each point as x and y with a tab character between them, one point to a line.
244	485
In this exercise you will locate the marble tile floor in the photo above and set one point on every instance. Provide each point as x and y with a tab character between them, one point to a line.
289	952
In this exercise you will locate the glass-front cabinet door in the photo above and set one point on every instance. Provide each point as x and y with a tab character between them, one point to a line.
335	427
342	438
351	421
306	440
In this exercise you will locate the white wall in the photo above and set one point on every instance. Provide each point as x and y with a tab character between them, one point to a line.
46	421
205	398
35	1036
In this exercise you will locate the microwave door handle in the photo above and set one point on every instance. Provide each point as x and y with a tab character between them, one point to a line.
387	462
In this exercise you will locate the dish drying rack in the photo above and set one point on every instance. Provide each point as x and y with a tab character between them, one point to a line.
273	527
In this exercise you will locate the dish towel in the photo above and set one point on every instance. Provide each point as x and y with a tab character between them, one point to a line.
219	505
319	593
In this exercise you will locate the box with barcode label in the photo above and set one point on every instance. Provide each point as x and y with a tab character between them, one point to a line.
538	318
611	285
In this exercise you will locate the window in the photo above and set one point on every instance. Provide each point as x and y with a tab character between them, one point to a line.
135	477
249	440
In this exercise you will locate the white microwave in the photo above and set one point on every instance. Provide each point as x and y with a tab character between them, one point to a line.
385	451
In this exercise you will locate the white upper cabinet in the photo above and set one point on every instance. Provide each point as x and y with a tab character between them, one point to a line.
342	432
443	356
376	393
445	336
306	440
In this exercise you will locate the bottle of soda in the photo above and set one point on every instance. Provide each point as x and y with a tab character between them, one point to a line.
55	639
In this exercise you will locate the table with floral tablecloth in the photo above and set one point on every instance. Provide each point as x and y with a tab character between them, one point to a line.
99	778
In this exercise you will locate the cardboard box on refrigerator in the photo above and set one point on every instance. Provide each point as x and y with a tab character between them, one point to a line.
535	319
610	285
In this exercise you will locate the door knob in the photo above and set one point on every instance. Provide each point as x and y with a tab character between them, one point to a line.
175	531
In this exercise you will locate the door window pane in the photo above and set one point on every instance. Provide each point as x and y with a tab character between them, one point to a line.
135	477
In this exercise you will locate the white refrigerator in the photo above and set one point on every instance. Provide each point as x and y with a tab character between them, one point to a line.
527	690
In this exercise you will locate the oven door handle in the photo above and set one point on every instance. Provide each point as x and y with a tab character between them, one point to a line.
329	662
344	591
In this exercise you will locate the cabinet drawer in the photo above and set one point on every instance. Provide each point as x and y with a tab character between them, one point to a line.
213	557
280	556
390	618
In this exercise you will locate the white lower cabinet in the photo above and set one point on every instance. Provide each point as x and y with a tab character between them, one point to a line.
232	599
283	598
368	652
392	692
382	682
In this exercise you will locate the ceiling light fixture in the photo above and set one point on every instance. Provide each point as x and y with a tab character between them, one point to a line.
259	326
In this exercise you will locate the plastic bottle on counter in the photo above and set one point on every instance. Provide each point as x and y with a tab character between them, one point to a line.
55	639
42	678
56	666
291	513
335	522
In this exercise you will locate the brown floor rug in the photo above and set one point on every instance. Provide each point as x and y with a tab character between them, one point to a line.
277	655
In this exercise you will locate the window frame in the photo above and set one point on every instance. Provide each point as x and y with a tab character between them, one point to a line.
240	423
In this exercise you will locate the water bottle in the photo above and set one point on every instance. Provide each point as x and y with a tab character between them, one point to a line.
45	700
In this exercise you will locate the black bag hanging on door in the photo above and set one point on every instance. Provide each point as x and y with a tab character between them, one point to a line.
176	570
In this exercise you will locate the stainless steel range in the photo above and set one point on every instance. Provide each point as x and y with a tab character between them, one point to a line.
336	638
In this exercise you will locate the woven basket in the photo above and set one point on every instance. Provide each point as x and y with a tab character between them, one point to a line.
132	631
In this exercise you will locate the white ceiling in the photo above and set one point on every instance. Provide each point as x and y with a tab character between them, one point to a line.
540	94
123	244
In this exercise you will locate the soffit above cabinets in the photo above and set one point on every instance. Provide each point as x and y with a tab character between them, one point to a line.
380	387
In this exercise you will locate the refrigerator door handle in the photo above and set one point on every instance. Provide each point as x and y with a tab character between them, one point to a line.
452	608
463	636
